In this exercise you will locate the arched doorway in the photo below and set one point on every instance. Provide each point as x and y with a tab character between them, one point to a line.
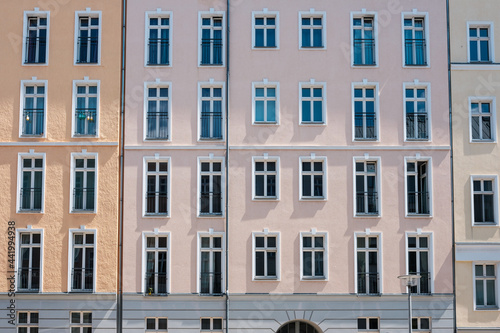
298	327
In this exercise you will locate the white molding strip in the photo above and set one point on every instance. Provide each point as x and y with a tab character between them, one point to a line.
56	144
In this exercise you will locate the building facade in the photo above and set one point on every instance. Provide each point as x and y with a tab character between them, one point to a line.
474	84
59	165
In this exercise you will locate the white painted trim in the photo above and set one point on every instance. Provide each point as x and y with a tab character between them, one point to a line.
379	258
430	182
493	120
494	178
278	255
145	161
313	84
219	159
211	85
18	253
364	85
144	236
74	156
36	83
278	186
158	14
315	14
419	85
88	13
497	292
211	14
265	84
425	16
210	234
378	161
478	251
297	148
27	14
324	234
20	157
475	67
159	84
86	83
491	35
70	255
430	236
258	14
312	159
375	37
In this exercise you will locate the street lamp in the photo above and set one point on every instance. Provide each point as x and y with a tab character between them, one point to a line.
409	281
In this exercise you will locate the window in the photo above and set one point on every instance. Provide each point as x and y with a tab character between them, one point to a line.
265	99
158	38
421	324
365	113
36	37
81	322
297	326
367	264
265	30
212	39
366	179
312	106
156	265
156	324
27	322
482	120
265	179
88	37
312	178
211	112
157	126
368	324
211	187
485	285
480	37
157	187
416	112
86	102
84	181
314	257
211	263
418	196
32	179
211	324
415	45
82	275
419	262
29	262
312	30
266	256
484	207
34	104
363	39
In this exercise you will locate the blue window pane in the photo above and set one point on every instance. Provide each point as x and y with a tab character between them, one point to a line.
421	93
318	37
485	108
356	22
217	92
306	21
484	50
306	92
409	93
408	23
483	32
259	37
306	111
93	90
80	90
271	38
409	107
152	92
205	21
317	92
153	21
473	51
30	90
306	37
205	92
271	92
271	111
317	21
165	21
370	92
271	21
358	92
163	92
259	111
318	111
259	21
259	92
472	32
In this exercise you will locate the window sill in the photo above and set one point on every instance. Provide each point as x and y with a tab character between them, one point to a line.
85	136
157	139
268	123
483	141
365	140
210	139
265	199
35	64
369	295
487	308
211	65
156	295
417	140
159	215
417	216
83	211
28	136
265	278
312	199
365	65
87	64
159	65
367	215
312	123
211	295
28	291
485	224
208	215
312	48
30	211
265	48
416	66
314	278
81	292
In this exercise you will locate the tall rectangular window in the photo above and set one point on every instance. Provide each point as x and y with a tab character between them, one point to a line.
29	262
415	44
479	43
419	262
27	322
86	112
313	180
36	37
484	204
211	48
366	188
211	110
158	42
157	187
157	112
265	30
314	261
365	113
417	113
211	188
265	179
417	188
367	264
211	263
156	265
363	40
312	106
88	35
156	324
33	108
265	103
482	120
81	322
32	181
82	274
312	29
485	285
84	183
211	324
266	253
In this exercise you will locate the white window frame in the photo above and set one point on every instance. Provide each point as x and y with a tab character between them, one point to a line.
494	179
157	84
83	231
366	85
430	237
85	82
313	249
418	85
265	14
265	84
212	84
419	323
211	14
155	159
210	234
416	159
313	84
367	321
491	36
159	13
211	159
157	328
266	234
313	158
155	234
493	119
20	158
312	13
212	324
411	15
37	83
28	230
497	292
29	324
380	282
91	14
378	175
35	13
266	159
81	325
83	155
365	14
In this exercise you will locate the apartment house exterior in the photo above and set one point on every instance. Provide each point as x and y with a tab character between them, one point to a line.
282	176
59	165
474	84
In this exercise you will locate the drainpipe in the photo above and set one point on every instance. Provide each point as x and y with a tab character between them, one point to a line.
119	315
450	99
227	165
